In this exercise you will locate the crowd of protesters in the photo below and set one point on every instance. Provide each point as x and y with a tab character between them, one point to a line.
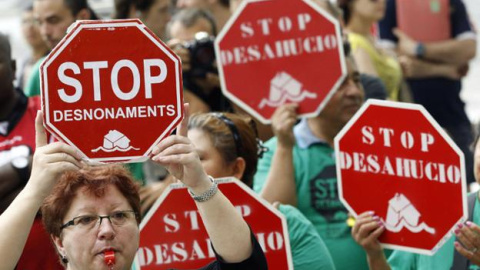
52	203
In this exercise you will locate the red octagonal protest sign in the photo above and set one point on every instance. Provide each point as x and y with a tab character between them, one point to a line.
273	52
172	235
394	159
111	89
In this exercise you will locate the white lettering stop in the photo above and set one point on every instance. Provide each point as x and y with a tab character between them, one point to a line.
96	66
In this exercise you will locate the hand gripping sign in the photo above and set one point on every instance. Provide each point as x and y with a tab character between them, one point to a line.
273	52
394	159
172	235
111	89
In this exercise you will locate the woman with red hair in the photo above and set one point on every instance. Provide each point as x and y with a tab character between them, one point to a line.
92	213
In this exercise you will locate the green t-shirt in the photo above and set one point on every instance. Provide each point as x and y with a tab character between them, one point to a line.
308	249
316	187
137	171
33	85
441	260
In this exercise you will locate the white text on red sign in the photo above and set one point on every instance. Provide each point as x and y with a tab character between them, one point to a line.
121	94
201	248
283	48
398	166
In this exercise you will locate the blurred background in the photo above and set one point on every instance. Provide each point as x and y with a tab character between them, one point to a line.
10	11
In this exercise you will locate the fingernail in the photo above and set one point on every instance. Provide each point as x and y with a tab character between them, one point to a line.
460	225
456	244
469	224
371	213
376	218
456	231
380	223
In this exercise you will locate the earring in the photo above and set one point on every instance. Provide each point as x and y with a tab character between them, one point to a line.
64	259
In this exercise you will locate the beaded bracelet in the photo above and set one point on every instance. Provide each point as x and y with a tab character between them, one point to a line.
207	195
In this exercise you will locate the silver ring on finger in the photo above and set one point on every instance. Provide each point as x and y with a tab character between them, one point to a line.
474	250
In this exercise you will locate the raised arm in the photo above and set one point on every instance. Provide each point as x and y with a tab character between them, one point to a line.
49	162
280	181
229	233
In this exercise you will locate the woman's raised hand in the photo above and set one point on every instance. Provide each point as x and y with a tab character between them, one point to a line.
50	160
178	155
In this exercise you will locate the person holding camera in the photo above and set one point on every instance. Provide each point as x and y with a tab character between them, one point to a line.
192	32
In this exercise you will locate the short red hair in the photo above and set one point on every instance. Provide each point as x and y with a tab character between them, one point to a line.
95	179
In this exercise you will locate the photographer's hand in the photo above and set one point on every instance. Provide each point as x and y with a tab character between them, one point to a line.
177	46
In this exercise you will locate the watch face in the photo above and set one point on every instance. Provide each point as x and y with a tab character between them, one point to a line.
20	162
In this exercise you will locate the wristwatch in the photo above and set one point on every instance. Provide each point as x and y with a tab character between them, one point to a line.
420	50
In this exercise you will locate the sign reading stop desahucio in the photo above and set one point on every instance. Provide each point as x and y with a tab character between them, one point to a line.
273	52
395	159
172	234
111	89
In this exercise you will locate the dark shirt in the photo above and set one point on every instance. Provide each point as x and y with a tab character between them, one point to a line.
440	96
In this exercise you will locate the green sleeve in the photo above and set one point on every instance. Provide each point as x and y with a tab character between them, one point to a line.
33	85
309	252
137	171
402	260
263	166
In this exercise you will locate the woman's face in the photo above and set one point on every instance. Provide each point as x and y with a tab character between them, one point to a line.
372	10
84	248
212	160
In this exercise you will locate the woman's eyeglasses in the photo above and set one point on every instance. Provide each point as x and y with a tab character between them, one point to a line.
87	222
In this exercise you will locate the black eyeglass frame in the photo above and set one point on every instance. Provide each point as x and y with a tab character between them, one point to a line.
72	221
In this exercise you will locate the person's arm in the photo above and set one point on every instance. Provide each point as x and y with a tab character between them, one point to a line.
15	223
229	233
280	182
364	62
415	69
456	51
453	51
366	231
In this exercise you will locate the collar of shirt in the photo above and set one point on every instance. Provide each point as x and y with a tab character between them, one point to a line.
304	135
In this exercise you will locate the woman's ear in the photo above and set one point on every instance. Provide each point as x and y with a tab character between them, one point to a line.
239	168
58	244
